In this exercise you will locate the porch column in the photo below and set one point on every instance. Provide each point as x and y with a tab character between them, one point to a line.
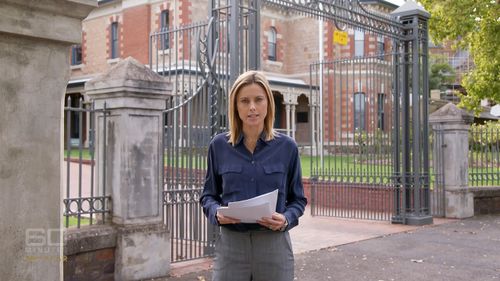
312	110
294	125
288	128
452	124
35	40
134	97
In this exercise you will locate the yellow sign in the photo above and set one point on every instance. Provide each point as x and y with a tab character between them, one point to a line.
340	37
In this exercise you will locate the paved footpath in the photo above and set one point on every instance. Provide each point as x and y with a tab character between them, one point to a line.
466	250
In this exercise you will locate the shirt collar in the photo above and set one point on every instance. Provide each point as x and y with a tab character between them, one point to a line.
262	138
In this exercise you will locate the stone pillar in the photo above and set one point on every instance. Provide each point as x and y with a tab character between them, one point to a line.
35	37
453	124
134	96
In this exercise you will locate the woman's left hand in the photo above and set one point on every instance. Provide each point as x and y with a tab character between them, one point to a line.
276	222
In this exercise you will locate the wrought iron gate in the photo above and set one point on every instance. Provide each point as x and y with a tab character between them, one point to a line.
370	155
353	143
198	61
364	145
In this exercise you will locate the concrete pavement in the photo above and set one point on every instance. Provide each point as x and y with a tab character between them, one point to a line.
342	249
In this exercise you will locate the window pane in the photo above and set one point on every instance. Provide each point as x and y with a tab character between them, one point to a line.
164	40
114	40
271	54
359	111
76	54
359	43
380	111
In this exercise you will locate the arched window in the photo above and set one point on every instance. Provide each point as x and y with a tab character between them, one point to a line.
359	111
271	54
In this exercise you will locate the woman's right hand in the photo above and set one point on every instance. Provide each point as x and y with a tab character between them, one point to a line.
226	220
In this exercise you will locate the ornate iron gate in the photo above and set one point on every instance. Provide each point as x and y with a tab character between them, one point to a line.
364	145
353	142
198	61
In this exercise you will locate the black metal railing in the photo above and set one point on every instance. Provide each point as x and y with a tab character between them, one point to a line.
85	201
484	155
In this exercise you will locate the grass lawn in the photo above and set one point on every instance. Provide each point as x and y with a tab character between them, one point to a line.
75	154
343	164
73	221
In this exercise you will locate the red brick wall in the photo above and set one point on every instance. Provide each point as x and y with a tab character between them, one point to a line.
351	196
96	265
136	29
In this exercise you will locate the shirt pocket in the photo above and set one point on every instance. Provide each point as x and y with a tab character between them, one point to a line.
232	178
274	176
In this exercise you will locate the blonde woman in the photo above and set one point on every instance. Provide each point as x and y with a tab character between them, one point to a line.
249	160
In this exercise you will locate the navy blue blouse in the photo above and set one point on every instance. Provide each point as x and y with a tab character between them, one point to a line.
234	174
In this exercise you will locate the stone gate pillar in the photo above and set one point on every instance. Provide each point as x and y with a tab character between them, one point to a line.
453	124
35	40
134	97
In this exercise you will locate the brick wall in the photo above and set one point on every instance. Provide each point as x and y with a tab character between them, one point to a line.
136	29
369	197
98	265
486	200
89	253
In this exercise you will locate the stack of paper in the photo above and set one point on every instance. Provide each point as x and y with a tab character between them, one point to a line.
253	209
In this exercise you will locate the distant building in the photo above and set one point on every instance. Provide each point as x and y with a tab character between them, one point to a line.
117	29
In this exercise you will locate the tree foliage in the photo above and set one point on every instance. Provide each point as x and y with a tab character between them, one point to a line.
440	73
472	25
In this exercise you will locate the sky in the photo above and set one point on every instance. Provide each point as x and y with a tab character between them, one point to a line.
397	2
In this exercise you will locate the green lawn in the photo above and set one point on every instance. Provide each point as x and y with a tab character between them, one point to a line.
73	221
75	154
347	165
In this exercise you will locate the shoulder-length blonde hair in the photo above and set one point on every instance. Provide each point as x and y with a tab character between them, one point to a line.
235	123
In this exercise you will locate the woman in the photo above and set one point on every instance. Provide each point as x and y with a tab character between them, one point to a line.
250	160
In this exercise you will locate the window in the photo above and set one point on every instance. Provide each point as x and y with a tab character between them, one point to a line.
271	55
380	111
165	38
114	40
359	43
380	47
359	111
302	117
76	54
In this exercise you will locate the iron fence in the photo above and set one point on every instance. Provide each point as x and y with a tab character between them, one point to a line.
84	202
484	155
436	154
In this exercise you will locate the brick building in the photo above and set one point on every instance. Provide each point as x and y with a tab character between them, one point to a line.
117	29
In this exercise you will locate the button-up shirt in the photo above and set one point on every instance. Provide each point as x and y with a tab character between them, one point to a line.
233	174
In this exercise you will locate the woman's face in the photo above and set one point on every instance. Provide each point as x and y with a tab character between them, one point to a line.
251	103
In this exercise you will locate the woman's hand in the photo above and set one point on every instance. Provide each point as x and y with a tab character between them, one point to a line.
276	222
226	220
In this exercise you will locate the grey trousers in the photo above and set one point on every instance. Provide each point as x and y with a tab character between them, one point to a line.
260	255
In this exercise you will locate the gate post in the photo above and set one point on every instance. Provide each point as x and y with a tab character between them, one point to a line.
453	124
134	97
414	174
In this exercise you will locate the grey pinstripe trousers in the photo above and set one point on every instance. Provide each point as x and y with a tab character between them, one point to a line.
258	255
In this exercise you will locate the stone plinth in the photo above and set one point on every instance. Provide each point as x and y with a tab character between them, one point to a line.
134	97
453	124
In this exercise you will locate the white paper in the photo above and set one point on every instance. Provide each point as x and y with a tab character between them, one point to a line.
253	209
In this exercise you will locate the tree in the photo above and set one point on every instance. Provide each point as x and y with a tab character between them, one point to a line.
440	73
473	25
